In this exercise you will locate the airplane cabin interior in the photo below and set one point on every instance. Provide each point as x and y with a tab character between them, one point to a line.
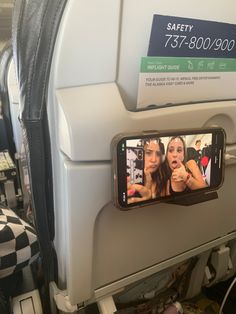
117	157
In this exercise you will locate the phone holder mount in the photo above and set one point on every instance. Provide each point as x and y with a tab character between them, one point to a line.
188	200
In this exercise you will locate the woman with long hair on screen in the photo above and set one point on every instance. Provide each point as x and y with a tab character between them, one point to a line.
154	177
183	176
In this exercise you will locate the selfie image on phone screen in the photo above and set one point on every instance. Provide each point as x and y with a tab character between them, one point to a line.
164	166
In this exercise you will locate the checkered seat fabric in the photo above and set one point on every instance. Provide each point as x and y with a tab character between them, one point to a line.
18	243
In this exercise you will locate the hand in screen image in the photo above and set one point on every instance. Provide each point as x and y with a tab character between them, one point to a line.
183	175
154	182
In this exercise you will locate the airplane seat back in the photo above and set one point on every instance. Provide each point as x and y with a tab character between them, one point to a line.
78	78
32	53
10	127
20	156
5	59
14	105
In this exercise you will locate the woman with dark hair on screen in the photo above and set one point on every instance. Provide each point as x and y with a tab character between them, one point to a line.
155	178
183	176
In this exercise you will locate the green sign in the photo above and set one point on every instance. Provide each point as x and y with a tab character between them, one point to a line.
184	64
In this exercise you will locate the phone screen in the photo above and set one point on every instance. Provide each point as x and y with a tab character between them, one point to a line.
163	166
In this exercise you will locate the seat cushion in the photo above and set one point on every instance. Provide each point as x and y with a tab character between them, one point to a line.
18	243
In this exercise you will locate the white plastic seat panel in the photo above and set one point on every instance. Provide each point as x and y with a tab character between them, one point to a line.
105	244
87	45
94	78
90	116
93	48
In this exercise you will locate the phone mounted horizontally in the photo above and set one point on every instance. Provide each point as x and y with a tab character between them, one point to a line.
181	167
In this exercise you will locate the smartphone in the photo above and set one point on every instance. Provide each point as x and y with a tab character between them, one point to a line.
152	166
